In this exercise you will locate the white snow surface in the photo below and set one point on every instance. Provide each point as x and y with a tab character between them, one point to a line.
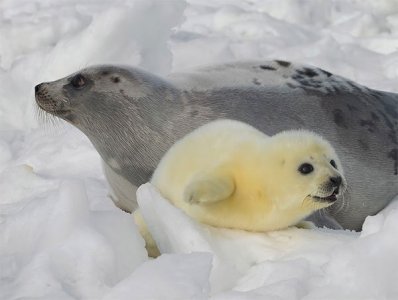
61	236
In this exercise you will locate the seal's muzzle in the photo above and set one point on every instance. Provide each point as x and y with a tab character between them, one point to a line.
335	187
48	103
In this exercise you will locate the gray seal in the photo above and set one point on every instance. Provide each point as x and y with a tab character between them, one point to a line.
133	117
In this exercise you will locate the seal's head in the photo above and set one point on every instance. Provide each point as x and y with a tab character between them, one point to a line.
304	167
122	110
102	94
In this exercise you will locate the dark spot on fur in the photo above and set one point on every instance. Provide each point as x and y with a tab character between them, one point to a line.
328	74
393	154
105	73
194	113
115	79
339	118
363	145
123	93
256	82
292	86
309	83
374	117
264	67
283	63
298	77
305	83
352	108
369	124
307	72
310	72
375	94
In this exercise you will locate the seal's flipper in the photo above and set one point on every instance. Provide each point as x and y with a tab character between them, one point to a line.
324	219
209	187
150	244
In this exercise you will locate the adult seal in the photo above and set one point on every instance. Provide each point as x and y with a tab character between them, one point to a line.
133	117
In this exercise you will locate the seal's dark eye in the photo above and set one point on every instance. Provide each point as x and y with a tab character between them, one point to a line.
333	163
78	81
306	168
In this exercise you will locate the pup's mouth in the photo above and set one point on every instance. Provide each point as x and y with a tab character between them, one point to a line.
329	199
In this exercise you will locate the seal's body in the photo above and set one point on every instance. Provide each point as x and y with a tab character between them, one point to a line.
228	174
133	117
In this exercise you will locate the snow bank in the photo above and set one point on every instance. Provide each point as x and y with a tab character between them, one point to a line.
287	264
170	276
54	246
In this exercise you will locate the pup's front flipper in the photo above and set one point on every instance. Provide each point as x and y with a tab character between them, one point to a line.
210	186
150	244
324	219
306	225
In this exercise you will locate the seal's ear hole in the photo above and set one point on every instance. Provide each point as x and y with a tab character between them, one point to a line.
78	81
333	163
283	162
115	79
306	168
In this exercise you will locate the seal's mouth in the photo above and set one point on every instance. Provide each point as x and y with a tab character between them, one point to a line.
50	107
328	199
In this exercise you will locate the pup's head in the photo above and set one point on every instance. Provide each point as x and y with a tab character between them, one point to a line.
305	172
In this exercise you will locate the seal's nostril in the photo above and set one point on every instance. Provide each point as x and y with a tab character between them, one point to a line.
336	181
37	88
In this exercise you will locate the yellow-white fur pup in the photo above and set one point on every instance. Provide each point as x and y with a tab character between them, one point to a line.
229	174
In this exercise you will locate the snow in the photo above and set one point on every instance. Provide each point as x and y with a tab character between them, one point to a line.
60	235
287	264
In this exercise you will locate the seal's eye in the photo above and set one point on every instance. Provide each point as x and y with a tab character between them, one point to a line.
78	81
333	163
306	168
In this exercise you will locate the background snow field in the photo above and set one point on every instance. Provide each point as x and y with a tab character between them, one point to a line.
61	236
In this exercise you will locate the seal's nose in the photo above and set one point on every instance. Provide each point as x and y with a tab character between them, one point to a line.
37	88
336	181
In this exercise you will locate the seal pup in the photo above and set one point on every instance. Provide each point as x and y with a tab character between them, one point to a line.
133	117
229	174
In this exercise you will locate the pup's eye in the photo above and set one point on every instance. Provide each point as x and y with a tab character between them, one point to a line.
306	168
78	81
333	163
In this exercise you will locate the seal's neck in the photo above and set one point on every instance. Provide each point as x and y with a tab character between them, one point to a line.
137	132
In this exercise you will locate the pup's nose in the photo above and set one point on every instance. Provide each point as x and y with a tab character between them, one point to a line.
37	88
336	181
